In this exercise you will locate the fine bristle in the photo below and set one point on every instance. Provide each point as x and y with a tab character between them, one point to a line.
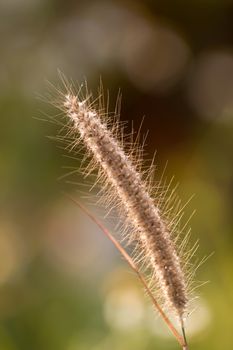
148	218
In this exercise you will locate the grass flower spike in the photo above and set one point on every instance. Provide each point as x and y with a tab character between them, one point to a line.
140	208
120	171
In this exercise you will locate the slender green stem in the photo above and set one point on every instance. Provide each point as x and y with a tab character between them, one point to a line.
185	347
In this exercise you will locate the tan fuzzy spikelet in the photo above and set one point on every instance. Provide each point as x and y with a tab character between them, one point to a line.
120	171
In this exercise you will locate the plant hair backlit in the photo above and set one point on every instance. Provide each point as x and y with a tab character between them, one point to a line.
120	172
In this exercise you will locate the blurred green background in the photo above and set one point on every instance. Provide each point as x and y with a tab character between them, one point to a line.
62	284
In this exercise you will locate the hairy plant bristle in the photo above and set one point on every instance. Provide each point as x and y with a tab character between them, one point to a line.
120	172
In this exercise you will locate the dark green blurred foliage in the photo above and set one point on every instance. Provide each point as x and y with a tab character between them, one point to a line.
62	286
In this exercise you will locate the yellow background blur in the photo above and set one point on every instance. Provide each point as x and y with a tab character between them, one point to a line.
62	284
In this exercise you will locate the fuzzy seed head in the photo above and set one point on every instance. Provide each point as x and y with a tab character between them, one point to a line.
150	229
